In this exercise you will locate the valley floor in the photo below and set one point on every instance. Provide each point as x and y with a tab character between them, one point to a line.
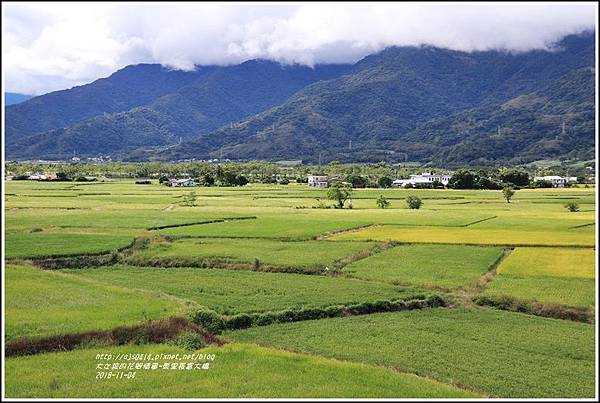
468	296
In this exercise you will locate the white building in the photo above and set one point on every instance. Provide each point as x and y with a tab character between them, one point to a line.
182	182
318	181
557	181
424	178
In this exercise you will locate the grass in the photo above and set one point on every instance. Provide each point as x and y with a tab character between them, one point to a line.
445	266
502	354
39	244
235	291
42	303
319	254
238	371
547	275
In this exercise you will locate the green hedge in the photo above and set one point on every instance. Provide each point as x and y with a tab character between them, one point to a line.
295	315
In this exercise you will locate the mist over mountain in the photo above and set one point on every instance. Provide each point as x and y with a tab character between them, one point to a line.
382	109
405	103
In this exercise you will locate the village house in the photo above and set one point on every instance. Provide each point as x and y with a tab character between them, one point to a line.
556	181
423	178
42	177
318	181
182	182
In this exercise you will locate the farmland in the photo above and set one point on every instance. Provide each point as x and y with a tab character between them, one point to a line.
236	291
85	257
456	345
233	375
445	266
560	276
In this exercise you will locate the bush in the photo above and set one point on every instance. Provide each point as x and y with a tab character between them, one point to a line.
382	202
284	181
240	321
414	202
208	319
189	340
385	182
508	192
143	182
572	207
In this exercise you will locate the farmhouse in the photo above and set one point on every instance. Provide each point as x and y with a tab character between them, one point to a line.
424	178
43	177
318	181
557	181
182	182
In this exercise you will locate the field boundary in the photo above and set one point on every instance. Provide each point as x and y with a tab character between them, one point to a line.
150	331
217	323
330	234
226	219
533	307
482	282
478	221
582	225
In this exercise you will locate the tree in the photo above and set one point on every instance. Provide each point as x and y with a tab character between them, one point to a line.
464	179
572	207
207	180
542	184
340	193
385	182
62	176
487	183
515	176
414	202
241	180
357	181
508	192
382	202
190	199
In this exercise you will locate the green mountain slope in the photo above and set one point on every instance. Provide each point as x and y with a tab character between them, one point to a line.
369	113
125	89
219	96
555	121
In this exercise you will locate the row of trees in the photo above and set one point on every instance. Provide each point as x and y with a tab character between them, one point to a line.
379	175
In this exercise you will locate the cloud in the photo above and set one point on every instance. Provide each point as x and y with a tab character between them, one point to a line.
53	46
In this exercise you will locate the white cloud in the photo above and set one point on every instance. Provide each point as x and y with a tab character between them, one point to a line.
52	46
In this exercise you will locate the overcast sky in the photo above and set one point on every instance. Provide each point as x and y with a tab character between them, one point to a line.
54	46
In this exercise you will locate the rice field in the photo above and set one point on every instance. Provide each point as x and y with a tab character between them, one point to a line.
273	248
232	374
548	275
43	303
529	356
442	266
311	254
237	291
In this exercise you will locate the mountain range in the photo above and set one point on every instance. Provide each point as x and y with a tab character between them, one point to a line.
421	104
13	98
